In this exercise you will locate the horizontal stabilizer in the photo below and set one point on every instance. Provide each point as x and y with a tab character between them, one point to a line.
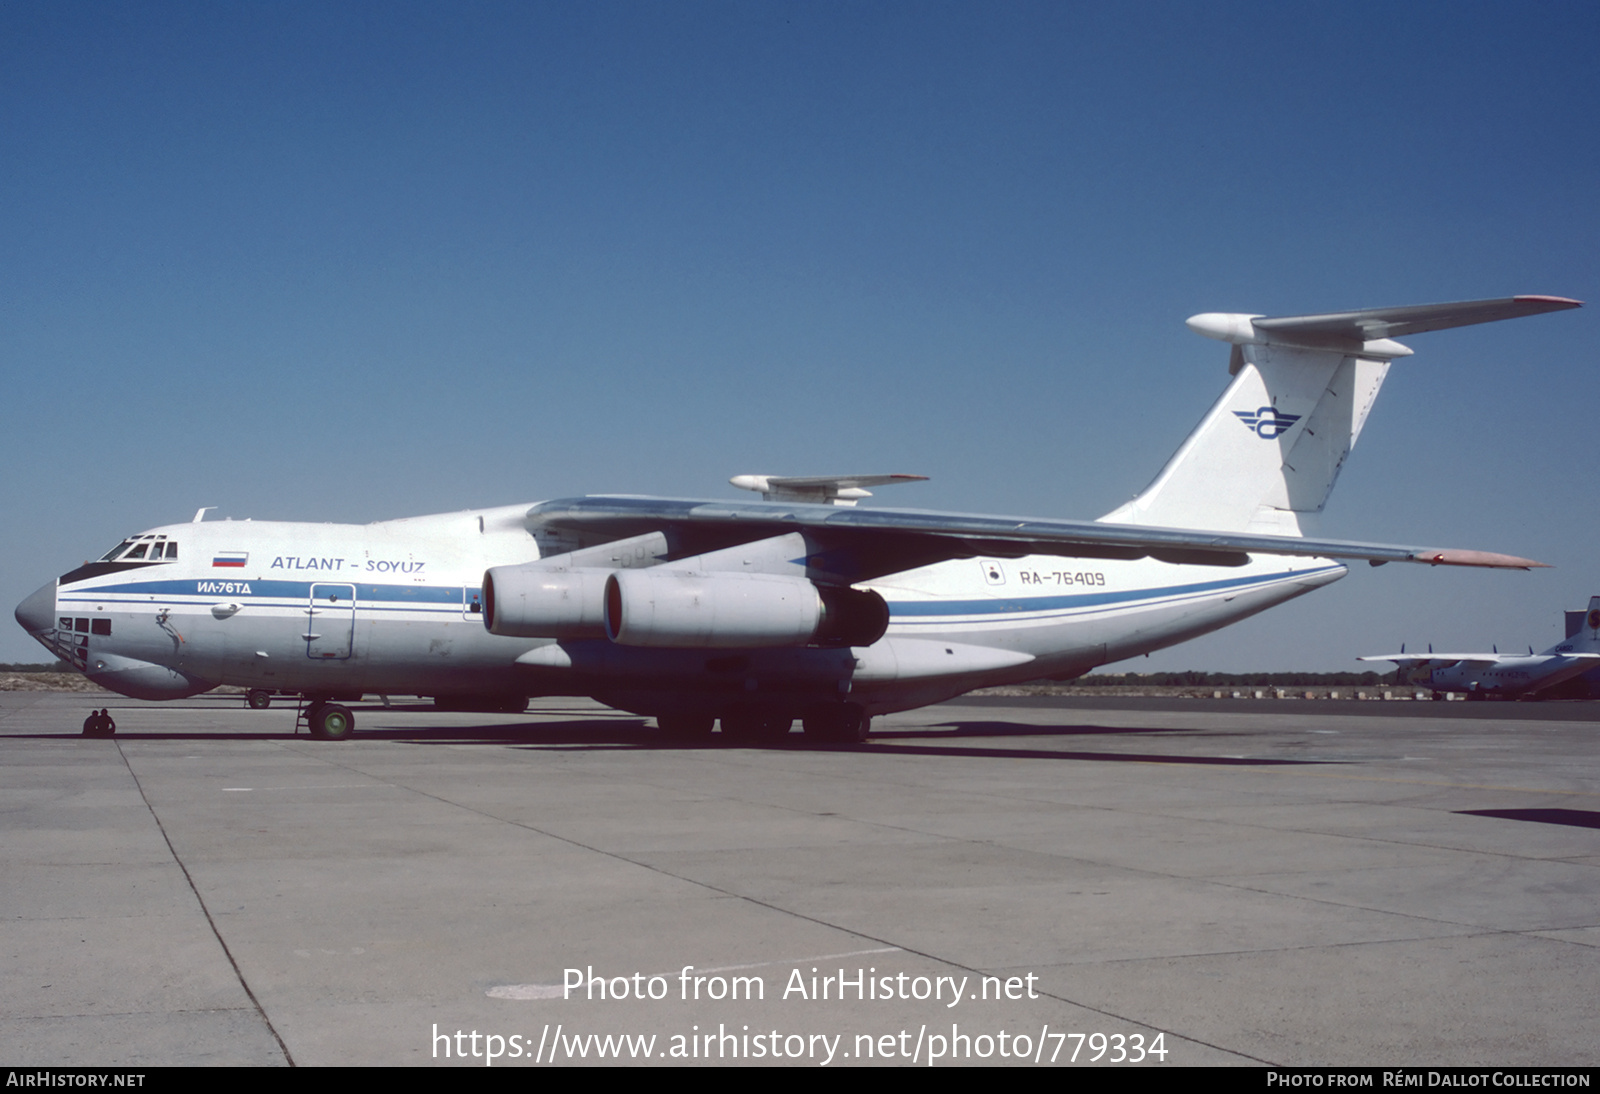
1375	323
1368	331
819	489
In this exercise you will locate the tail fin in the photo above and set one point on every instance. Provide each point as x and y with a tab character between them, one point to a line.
1265	457
1585	637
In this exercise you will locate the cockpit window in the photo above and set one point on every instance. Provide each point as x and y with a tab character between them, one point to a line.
147	548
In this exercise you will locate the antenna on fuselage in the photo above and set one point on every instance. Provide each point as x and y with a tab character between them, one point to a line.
200	514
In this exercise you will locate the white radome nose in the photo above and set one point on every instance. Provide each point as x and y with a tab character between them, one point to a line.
37	614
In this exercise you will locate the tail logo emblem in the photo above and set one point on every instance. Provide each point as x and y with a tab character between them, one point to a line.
1266	422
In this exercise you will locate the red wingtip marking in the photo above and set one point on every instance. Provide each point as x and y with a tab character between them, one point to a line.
1488	559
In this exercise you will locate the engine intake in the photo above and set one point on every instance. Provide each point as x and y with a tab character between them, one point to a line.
536	601
686	610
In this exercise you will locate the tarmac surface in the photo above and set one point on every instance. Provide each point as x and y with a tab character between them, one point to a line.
1197	882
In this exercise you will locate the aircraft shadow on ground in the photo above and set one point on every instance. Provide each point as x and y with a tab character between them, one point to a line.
1031	729
1572	818
592	734
946	730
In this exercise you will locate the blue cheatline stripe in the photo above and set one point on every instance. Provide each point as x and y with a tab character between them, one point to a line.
452	610
285	590
1022	605
370	597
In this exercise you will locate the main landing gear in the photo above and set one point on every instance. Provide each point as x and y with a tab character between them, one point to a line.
845	723
836	723
328	721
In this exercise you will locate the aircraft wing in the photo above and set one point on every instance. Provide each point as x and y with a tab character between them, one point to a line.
882	541
1432	660
1484	658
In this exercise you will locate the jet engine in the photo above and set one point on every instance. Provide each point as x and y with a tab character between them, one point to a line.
688	610
541	602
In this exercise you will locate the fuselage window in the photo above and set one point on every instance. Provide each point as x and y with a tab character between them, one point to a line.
172	549
101	626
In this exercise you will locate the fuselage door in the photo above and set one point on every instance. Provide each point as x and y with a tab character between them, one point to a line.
330	622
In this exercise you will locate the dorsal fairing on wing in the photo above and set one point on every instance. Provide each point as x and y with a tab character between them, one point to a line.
1265	457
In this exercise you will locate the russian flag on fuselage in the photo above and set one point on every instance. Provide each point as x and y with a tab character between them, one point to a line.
230	559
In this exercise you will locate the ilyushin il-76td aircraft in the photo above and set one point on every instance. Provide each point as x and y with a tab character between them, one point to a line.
758	613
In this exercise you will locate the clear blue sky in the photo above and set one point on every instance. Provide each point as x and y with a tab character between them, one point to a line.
346	262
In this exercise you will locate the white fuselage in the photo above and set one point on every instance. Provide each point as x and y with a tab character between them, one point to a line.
756	612
394	608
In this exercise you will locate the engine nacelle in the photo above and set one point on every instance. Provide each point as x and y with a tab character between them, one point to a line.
685	610
534	601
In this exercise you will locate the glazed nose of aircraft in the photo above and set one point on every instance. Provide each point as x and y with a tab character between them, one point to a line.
37	614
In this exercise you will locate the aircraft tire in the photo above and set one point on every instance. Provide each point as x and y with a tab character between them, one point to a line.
258	699
686	727
331	722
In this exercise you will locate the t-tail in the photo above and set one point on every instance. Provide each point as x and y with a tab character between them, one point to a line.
1266	456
